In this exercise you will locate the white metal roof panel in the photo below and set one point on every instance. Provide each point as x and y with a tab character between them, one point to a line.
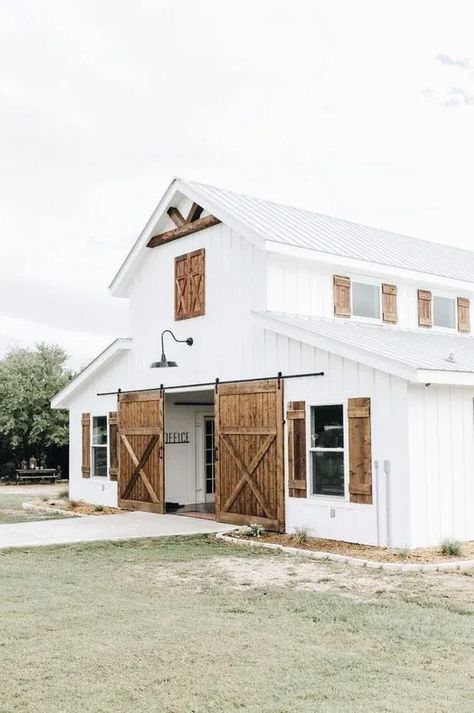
425	350
334	236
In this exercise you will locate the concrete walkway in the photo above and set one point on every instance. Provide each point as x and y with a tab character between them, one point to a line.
124	526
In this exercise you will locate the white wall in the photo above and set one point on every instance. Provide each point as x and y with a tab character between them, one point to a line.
305	287
343	379
441	463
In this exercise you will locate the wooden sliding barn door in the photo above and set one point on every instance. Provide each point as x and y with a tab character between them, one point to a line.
141	480
249	460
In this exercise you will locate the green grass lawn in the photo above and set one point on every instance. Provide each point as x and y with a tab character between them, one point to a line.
11	505
192	625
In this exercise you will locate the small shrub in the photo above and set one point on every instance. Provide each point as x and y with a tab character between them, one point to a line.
451	548
255	530
98	508
300	535
64	494
74	504
403	553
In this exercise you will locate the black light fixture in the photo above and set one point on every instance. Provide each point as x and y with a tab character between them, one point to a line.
164	361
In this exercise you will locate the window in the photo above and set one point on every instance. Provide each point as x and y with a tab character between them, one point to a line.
365	300
209	455
99	446
327	450
444	312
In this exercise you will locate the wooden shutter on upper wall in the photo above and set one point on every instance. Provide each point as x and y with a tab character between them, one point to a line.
86	445
464	319
425	310
296	417
342	296
190	287
389	303
113	445
360	450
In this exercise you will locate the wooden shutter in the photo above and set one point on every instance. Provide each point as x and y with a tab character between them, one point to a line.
360	451
342	296
464	319
113	445
86	445
296	417
389	303
425	311
190	285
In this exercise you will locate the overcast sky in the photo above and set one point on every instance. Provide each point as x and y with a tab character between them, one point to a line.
362	110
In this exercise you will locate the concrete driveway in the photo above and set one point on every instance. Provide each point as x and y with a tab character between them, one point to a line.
123	526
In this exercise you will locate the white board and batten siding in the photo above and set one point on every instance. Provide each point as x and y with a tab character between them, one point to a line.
337	517
441	452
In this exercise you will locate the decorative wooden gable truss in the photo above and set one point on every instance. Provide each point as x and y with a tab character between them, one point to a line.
184	226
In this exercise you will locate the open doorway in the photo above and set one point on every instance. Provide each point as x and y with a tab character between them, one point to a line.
190	478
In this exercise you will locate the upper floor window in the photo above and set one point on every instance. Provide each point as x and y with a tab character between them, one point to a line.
366	300
444	312
189	285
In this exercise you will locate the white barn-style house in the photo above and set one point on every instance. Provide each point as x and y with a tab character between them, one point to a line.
329	384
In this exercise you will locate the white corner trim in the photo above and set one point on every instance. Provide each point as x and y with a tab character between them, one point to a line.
119	345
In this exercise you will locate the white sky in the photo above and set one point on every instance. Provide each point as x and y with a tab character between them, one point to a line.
362	110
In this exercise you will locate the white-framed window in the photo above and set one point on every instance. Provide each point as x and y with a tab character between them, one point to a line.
366	299
327	450
444	311
99	446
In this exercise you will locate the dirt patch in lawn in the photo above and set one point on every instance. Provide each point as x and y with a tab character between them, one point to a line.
425	555
76	506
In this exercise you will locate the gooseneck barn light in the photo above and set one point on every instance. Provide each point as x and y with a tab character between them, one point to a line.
164	361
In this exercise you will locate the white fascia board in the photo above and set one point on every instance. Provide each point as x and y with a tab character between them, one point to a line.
118	286
366	267
60	399
334	346
448	377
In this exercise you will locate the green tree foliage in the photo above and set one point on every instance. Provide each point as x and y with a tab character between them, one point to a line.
29	378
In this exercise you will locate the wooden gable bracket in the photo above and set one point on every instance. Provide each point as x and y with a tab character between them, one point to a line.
184	226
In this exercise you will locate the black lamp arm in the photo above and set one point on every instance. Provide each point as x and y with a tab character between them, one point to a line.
189	340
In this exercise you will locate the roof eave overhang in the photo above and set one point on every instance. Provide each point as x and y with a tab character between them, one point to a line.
61	399
367	267
336	347
447	377
119	285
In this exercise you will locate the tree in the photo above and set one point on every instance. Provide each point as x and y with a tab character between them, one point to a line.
29	378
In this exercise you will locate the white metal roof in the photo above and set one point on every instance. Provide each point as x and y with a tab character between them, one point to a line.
419	355
302	228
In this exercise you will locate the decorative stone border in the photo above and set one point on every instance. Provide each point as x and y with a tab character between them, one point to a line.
32	507
354	561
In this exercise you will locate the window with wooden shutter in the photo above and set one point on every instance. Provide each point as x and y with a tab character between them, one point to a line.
360	450
296	418
190	285
113	445
342	296
425	311
86	445
464	319
389	303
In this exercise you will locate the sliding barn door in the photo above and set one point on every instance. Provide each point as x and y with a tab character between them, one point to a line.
141	453
249	465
